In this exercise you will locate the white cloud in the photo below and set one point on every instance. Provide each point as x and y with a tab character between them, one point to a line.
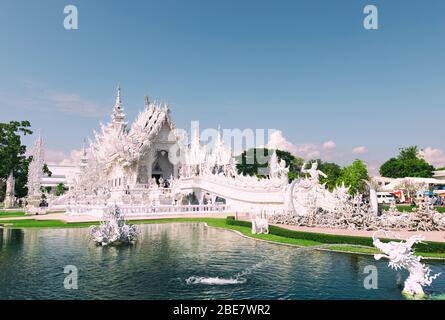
54	156
434	156
39	97
73	104
61	158
306	150
329	145
73	159
359	150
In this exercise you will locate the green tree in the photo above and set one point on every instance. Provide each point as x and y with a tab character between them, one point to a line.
255	161
355	177
332	170
12	155
60	189
46	170
407	164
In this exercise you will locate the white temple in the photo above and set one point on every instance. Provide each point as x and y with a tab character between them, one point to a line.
148	167
149	164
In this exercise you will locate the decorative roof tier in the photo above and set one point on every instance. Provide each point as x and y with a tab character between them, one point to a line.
117	144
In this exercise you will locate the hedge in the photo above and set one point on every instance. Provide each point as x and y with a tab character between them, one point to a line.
408	208
427	247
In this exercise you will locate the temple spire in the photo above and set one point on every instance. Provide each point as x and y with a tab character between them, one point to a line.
84	158
118	96
118	117
146	102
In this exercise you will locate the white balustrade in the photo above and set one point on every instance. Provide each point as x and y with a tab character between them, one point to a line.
132	210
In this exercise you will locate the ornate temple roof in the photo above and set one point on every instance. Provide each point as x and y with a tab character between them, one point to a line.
117	143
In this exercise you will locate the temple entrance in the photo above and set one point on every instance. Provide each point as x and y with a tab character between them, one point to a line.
162	167
157	177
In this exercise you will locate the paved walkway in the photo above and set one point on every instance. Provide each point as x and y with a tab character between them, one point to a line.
437	236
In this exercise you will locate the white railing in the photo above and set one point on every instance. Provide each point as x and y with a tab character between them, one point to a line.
132	210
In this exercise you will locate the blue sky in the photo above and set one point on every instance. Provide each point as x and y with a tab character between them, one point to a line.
305	67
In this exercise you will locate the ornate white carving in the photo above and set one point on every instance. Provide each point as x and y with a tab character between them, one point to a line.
9	201
401	256
114	229
260	225
35	173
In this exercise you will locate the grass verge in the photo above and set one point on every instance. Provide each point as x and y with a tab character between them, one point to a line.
11	214
276	235
408	208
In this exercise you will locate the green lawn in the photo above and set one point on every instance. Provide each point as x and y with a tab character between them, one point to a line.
218	223
11	214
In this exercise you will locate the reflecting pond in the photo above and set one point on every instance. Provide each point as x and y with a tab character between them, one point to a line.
186	261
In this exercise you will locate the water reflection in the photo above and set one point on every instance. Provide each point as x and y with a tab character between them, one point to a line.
166	255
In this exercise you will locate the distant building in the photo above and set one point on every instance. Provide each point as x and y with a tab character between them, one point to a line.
439	175
60	174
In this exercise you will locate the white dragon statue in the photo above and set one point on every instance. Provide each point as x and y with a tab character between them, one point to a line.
401	256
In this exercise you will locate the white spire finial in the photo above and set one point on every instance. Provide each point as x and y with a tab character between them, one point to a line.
118	117
118	96
84	149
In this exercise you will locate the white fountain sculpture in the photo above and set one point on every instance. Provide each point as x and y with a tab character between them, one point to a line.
114	229
401	256
260	225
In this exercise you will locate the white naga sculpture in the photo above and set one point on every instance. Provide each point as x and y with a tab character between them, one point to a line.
114	229
401	256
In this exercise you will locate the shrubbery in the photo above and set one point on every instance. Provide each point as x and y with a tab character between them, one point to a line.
427	247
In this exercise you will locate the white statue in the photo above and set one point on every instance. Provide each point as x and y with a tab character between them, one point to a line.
9	196
313	171
114	229
260	225
373	199
401	256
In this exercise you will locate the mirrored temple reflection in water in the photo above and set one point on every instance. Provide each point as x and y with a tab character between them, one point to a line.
184	261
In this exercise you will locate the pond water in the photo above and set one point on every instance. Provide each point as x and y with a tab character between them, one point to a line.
186	261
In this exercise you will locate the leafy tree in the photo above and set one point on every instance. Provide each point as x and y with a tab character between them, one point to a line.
332	170
255	161
354	177
60	189
12	155
46	170
407	164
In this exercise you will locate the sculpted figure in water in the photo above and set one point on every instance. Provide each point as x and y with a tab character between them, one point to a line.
114	229
401	256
